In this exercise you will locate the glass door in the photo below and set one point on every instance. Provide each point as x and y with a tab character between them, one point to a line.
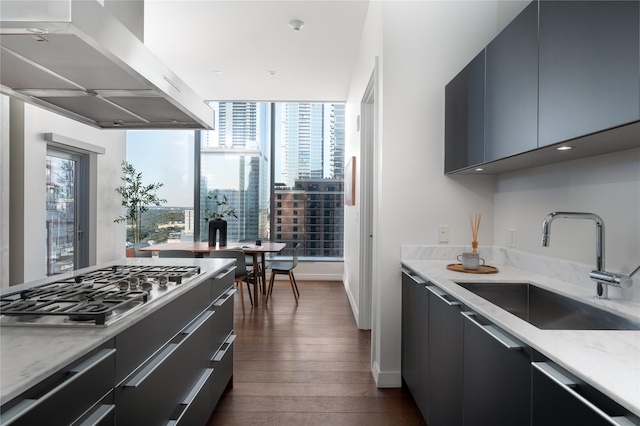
64	224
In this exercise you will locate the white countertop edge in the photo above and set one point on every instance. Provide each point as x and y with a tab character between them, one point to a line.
608	360
22	366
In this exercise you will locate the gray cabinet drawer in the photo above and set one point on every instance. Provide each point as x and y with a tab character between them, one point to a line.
221	283
76	388
151	394
224	319
197	407
136	344
222	369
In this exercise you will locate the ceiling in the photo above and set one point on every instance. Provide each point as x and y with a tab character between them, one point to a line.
226	50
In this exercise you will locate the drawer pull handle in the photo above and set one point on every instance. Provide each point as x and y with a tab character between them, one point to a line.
494	332
166	352
569	385
98	415
202	381
440	294
224	297
417	279
224	348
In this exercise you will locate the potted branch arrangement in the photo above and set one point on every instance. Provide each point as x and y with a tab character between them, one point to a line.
136	198
216	220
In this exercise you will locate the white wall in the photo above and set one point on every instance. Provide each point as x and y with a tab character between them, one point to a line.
421	46
608	185
4	191
27	198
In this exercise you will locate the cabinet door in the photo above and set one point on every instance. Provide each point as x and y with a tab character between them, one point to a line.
589	64
445	360
497	377
414	339
464	117
560	399
511	115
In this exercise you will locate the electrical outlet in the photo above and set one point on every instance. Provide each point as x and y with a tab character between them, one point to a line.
443	234
512	238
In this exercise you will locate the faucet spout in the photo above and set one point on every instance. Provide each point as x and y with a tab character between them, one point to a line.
546	231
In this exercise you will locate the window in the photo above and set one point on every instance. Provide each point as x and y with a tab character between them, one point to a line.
235	161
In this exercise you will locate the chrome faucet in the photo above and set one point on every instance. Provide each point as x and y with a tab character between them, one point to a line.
599	275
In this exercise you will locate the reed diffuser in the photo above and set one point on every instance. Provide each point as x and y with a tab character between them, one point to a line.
474	221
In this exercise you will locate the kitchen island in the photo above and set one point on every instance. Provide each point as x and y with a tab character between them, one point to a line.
194	317
607	360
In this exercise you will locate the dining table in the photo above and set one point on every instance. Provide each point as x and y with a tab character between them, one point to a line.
256	251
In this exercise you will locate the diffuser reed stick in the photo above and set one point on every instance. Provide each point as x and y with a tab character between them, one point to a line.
474	221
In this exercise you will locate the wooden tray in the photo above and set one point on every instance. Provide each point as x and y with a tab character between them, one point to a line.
482	269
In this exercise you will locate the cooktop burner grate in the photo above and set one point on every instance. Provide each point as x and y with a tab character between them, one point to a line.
95	297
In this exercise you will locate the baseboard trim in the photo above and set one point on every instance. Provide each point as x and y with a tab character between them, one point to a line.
386	379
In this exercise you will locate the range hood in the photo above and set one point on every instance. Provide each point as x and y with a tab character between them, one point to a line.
75	58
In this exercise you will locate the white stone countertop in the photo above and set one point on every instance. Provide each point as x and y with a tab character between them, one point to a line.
29	354
608	360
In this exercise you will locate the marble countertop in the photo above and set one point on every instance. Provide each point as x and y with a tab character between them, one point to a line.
30	354
608	360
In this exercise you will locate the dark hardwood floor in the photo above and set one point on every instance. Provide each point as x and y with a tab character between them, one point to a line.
307	365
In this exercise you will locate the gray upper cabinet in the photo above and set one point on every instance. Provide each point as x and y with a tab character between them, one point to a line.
464	111
511	116
589	63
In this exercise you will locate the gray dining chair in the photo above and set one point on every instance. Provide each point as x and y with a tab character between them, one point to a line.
242	273
285	268
176	253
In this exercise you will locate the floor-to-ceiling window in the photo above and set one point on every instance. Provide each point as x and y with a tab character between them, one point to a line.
167	157
280	166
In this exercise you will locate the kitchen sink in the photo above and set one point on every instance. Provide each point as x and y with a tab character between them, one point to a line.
548	310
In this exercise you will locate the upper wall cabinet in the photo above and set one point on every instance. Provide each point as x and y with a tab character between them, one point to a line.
562	71
512	88
464	109
589	56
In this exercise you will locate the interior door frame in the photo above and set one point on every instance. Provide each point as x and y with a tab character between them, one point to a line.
368	143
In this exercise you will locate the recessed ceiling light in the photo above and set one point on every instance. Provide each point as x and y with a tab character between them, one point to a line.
216	72
564	148
272	72
296	25
478	169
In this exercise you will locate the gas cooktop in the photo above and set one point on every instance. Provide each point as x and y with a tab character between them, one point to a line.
97	298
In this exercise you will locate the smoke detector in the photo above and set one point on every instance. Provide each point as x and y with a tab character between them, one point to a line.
296	25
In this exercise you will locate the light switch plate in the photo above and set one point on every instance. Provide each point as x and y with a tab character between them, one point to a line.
512	238
443	234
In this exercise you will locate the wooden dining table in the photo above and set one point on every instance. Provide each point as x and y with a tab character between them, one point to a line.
257	252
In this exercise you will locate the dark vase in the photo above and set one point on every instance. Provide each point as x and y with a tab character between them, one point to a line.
215	226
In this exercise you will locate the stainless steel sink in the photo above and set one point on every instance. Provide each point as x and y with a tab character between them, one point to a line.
547	310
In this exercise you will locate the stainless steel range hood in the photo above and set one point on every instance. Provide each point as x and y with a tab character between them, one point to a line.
75	58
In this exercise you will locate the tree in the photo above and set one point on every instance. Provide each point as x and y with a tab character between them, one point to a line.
136	198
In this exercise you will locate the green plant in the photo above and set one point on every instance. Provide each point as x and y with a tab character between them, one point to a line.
136	198
221	210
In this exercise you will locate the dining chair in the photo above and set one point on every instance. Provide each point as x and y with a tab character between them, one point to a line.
176	253
287	269
242	274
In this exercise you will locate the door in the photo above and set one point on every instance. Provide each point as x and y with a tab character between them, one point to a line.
367	184
66	212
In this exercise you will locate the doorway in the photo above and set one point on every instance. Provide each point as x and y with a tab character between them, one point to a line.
66	212
367	165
